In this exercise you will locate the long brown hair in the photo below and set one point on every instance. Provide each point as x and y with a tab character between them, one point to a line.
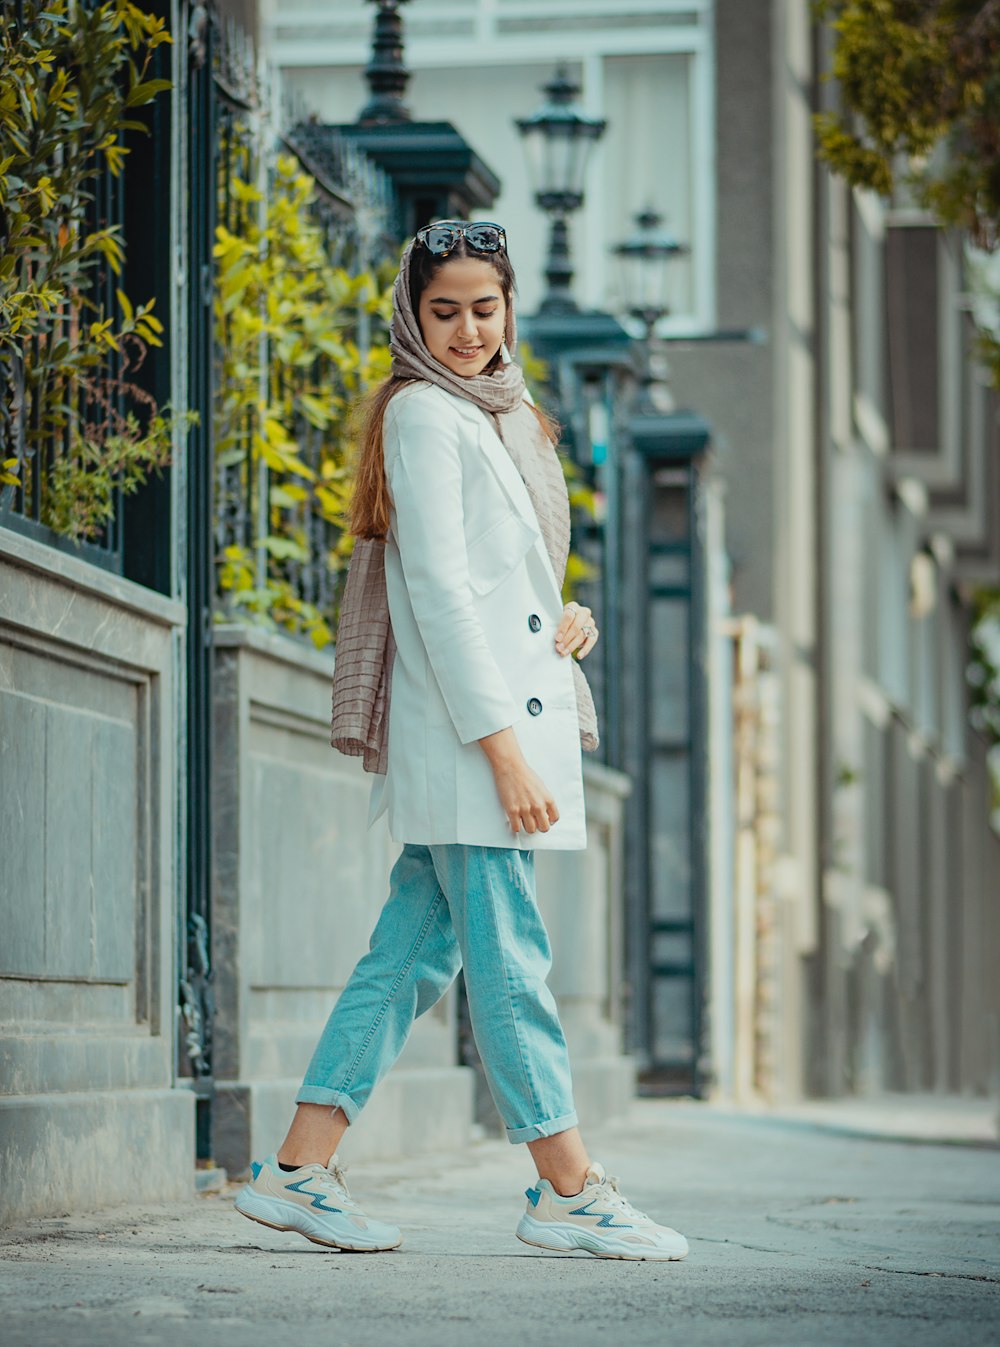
370	500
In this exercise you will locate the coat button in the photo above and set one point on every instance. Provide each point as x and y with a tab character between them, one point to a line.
535	622
534	707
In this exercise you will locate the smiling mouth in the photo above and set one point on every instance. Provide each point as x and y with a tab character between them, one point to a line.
466	352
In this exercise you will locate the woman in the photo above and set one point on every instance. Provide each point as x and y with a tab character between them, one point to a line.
487	710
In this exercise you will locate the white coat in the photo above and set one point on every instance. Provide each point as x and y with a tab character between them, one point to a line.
475	606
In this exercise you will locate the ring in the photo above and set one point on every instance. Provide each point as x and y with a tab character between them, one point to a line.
588	631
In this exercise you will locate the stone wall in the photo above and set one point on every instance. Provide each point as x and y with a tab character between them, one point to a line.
298	887
580	896
88	744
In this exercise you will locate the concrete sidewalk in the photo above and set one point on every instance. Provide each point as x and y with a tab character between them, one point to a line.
798	1236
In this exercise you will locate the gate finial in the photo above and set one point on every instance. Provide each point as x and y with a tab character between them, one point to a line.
386	72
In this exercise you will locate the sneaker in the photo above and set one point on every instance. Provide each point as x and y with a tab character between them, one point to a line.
599	1220
313	1201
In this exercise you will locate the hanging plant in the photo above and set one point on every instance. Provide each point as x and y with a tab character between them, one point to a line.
290	366
71	75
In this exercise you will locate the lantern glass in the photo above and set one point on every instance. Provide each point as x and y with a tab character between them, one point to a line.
558	139
534	156
646	273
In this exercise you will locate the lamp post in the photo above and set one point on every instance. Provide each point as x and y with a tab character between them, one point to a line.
645	260
558	139
386	72
434	171
664	682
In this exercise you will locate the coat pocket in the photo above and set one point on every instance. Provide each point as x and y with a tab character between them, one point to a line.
497	551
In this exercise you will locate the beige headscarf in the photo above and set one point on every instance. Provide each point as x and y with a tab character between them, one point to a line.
362	677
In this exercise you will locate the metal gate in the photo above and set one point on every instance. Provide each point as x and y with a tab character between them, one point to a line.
196	993
665	732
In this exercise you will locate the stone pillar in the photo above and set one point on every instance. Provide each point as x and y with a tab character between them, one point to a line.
89	1114
580	895
299	884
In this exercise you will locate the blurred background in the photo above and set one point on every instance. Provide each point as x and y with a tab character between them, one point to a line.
764	311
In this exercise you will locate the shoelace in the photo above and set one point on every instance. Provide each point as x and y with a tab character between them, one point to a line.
618	1199
333	1177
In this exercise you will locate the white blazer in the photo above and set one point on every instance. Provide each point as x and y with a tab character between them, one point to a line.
475	606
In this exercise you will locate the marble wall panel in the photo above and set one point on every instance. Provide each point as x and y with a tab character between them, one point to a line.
66	842
87	790
22	804
117	856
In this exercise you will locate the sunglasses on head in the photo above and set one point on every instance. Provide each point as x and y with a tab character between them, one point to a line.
482	236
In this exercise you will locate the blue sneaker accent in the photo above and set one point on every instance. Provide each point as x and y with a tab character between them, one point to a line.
532	1194
317	1198
607	1220
609	1223
255	1168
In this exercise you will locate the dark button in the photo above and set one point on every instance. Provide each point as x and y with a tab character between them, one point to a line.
535	622
534	707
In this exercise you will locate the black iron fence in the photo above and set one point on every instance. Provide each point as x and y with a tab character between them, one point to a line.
272	205
303	222
276	336
47	408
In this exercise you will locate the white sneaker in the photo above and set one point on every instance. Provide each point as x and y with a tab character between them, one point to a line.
599	1220
314	1202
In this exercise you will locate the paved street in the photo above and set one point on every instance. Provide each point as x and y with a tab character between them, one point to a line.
799	1235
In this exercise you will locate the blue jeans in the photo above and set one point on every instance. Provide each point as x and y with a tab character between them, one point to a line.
452	907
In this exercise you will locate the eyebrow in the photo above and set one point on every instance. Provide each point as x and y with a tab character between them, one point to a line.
483	299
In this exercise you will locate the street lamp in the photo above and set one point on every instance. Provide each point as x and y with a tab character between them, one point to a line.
645	269
558	139
386	73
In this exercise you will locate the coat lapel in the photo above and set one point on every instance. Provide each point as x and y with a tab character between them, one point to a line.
502	466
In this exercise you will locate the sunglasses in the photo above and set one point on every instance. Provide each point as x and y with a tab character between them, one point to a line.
482	237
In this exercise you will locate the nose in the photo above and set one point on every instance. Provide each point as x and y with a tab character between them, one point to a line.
468	326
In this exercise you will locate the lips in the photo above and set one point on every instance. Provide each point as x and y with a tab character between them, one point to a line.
466	353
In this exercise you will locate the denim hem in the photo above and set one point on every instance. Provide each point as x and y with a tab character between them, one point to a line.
319	1094
543	1129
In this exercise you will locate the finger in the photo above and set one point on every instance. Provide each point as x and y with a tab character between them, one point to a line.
553	812
577	640
572	639
528	821
515	823
541	817
588	645
573	616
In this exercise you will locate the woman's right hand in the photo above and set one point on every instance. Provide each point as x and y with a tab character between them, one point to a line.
525	798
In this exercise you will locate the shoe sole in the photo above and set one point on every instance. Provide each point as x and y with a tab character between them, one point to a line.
575	1242
316	1239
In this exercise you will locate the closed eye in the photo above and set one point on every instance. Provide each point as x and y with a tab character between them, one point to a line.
447	317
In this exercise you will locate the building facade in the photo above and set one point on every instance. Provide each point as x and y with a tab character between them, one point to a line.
866	863
852	890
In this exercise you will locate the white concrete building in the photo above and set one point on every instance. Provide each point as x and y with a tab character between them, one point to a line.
847	917
648	67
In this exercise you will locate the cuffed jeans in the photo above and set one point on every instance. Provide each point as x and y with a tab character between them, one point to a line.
452	907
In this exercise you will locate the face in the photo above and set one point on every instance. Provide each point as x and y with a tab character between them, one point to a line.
462	315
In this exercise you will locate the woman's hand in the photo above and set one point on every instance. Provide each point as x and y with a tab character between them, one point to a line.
577	631
525	798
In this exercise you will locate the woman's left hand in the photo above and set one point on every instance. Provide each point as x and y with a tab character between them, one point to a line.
577	631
